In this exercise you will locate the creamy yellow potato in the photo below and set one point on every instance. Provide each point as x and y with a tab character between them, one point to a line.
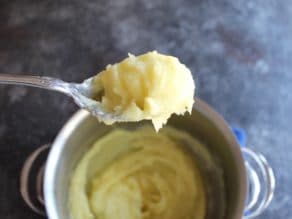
151	86
138	175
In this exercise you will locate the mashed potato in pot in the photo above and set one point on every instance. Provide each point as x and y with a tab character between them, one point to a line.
151	86
138	174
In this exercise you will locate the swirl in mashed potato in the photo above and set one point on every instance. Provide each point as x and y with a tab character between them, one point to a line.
138	174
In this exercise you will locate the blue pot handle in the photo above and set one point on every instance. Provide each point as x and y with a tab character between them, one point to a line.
240	135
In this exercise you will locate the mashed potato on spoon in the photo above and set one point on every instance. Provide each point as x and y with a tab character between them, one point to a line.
151	86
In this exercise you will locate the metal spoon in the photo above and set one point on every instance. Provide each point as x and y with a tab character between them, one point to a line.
82	93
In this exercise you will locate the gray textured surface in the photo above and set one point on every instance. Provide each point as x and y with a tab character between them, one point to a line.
240	52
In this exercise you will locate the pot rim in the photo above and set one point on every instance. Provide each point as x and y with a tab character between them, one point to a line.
80	115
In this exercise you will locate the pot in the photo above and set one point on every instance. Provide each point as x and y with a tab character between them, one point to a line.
248	179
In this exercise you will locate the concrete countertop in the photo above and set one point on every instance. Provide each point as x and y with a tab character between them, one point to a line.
240	52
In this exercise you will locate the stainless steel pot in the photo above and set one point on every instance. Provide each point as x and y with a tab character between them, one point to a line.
249	180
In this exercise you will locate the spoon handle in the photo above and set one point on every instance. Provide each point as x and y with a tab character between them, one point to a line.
36	81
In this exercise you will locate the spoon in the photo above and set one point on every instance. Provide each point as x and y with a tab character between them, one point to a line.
82	93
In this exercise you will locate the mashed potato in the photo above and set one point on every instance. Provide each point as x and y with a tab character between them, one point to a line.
150	86
138	175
